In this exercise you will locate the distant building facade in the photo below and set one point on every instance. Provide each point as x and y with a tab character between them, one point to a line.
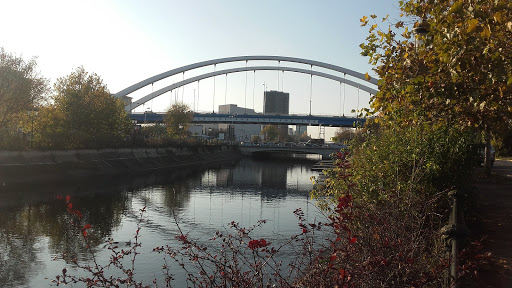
238	132
234	109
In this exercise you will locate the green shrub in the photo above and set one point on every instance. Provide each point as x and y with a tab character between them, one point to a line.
422	159
400	176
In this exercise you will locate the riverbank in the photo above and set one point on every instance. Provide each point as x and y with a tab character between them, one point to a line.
43	166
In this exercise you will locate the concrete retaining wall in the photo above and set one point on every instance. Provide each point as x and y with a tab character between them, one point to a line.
23	166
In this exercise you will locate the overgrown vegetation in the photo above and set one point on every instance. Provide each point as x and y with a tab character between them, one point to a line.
79	113
22	91
440	90
177	120
400	178
454	71
83	114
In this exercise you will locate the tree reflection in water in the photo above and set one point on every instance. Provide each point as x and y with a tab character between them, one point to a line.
34	225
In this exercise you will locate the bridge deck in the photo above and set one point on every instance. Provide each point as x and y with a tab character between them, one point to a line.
310	120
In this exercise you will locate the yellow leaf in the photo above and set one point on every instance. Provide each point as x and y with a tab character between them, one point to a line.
364	20
406	54
472	25
456	7
367	76
385	18
486	33
374	26
373	16
497	17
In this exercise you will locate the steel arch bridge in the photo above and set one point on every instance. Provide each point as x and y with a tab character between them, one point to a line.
364	84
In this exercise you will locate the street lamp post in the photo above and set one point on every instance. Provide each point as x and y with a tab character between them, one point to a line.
421	31
210	135
32	114
232	129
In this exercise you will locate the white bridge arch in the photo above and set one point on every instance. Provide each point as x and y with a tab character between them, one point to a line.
151	80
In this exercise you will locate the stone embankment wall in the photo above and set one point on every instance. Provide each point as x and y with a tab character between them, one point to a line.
23	166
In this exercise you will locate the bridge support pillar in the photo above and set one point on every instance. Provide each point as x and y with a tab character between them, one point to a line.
326	157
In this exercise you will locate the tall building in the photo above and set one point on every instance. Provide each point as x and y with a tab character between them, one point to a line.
276	102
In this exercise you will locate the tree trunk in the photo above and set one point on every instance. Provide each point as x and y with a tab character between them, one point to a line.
487	162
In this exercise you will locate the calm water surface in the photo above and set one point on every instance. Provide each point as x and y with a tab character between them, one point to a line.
36	241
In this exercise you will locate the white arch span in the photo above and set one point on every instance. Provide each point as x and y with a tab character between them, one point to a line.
170	73
161	91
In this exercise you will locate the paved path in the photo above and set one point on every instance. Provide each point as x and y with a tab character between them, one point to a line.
496	223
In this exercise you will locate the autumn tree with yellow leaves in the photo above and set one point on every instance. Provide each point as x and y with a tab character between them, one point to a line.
455	70
83	115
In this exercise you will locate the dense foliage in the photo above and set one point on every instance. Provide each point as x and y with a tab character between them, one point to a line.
344	135
456	70
270	133
439	90
22	90
83	115
413	159
461	69
398	178
177	120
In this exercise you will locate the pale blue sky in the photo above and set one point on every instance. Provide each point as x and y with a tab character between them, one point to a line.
127	41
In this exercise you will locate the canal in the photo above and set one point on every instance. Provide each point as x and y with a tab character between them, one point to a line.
37	241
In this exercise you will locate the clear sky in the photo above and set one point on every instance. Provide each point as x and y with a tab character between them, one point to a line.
128	41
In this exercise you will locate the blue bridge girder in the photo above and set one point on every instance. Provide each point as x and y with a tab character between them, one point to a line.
211	118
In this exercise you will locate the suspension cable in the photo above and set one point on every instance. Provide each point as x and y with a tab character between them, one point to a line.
310	90
340	100
245	90
344	92
278	65
226	91
170	98
282	81
213	110
253	89
176	94
183	91
357	102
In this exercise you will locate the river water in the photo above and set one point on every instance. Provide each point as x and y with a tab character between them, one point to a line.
37	241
